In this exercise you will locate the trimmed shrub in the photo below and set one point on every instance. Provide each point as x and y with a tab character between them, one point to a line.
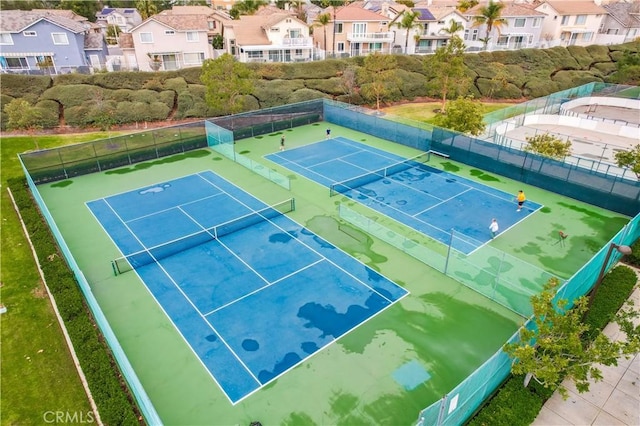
492	89
157	111
412	84
270	71
77	116
536	88
20	85
154	84
198	90
124	79
316	69
598	53
605	68
144	95
49	113
581	55
191	75
411	63
121	95
4	100
74	94
562	59
177	84
306	95
608	300
186	105
276	92
513	405
331	86
72	78
168	98
569	79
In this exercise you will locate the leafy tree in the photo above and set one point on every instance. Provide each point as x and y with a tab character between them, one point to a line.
446	70
113	32
379	77
84	8
628	68
408	22
322	21
349	81
629	160
227	82
23	116
491	16
548	145
218	41
463	115
147	8
464	5
555	348
246	7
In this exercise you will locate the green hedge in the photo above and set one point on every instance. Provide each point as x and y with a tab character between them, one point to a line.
513	404
115	404
18	86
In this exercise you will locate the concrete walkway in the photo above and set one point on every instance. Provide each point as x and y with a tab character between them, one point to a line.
615	400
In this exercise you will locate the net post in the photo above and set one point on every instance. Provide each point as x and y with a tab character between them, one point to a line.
113	266
446	262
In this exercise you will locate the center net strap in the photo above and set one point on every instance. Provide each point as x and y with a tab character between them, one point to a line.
365	178
162	251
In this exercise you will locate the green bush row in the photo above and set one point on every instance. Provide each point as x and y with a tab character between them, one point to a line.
114	402
513	404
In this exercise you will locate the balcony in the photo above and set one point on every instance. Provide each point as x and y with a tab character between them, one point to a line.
297	42
370	37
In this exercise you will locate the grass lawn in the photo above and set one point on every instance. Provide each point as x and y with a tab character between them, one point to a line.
37	375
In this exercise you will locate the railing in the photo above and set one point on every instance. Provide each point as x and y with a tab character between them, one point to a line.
380	37
298	41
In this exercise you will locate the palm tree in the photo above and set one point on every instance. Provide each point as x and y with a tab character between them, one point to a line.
453	28
323	20
491	16
408	22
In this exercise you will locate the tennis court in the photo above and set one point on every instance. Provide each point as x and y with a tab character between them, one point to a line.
252	292
427	199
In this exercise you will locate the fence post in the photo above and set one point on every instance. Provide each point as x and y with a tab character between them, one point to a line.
443	404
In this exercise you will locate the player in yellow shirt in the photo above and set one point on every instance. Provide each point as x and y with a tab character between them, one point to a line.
521	199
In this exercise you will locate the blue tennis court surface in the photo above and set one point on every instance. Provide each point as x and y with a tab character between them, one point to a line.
429	200
252	302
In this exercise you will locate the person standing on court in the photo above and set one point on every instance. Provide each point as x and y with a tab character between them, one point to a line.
328	132
282	143
494	228
521	199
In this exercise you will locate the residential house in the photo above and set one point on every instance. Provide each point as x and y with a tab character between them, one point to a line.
215	18
38	42
570	22
123	18
522	29
354	31
431	28
169	41
621	25
268	37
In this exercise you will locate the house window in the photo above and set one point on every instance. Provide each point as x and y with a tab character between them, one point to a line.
192	36
612	31
581	19
341	46
359	28
473	36
169	33
212	25
565	20
146	38
274	29
193	58
503	40
632	32
298	52
5	38
29	34
519	22
536	22
339	28
14	63
530	40
255	54
60	38
294	33
375	47
587	36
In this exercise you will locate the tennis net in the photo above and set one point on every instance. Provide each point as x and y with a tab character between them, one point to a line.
365	178
162	251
